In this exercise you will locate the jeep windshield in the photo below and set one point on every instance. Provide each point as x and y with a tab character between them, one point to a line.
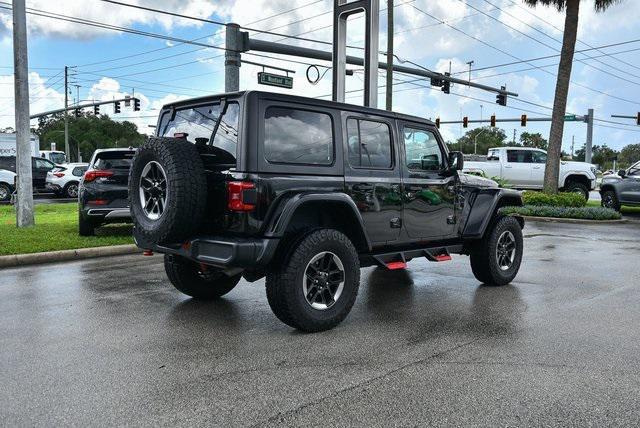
198	123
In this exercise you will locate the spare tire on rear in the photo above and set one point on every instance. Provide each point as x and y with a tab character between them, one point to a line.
167	190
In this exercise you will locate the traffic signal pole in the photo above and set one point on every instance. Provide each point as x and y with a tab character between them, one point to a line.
24	203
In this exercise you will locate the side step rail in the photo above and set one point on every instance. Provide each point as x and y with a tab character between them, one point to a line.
398	259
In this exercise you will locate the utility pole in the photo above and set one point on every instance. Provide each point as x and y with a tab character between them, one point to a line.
470	63
589	145
24	208
66	114
389	100
514	136
573	142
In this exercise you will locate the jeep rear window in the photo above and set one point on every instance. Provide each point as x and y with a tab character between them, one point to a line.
199	123
298	136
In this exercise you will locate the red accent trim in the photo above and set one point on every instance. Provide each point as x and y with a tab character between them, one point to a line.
442	257
235	200
396	265
93	174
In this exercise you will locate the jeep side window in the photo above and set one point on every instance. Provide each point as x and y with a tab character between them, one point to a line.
369	144
422	151
298	136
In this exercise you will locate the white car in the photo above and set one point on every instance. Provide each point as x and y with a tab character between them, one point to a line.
7	183
64	179
523	168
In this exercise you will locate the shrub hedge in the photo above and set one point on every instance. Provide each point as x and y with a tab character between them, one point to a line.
563	199
584	213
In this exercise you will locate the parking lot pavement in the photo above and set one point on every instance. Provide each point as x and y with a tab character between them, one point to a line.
109	342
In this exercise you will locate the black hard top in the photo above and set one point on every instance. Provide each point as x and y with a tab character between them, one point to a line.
301	100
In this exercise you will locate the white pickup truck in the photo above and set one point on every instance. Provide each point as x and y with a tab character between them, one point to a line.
523	168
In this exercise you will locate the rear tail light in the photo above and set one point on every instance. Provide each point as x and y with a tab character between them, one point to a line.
241	196
59	174
93	174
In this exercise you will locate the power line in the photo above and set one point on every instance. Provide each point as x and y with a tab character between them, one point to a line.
612	55
552	38
525	61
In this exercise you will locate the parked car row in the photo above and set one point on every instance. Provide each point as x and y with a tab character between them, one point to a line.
39	169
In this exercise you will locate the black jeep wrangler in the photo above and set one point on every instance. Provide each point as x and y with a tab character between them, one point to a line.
306	192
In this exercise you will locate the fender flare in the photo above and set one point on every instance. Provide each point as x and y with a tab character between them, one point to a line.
563	179
286	209
483	207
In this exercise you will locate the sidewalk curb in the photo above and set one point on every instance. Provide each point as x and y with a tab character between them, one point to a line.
66	255
572	220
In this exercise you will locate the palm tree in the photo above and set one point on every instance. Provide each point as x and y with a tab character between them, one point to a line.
571	8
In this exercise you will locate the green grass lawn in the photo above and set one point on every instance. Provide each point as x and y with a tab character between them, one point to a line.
623	210
56	229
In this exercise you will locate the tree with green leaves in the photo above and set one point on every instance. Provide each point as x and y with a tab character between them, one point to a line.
484	138
88	133
529	139
629	155
571	8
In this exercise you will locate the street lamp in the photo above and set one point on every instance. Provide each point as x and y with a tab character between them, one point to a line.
475	141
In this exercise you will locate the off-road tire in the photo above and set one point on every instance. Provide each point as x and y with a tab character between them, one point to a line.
577	187
205	283
186	185
610	200
484	260
284	282
85	227
5	191
65	192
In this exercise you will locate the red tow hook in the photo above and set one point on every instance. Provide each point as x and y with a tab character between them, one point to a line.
442	257
396	265
147	253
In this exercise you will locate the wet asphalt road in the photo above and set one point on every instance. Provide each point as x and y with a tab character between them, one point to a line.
109	342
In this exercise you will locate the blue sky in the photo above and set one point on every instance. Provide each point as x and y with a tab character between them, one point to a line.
488	32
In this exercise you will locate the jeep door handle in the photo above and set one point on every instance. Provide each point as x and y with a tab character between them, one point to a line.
537	167
362	187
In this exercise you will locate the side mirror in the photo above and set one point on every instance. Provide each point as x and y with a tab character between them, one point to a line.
622	173
456	161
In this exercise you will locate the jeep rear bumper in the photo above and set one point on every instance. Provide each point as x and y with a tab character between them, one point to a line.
218	251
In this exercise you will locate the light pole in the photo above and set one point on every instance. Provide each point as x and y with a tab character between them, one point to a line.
475	141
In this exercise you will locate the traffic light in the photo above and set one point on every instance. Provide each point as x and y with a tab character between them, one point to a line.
116	107
523	120
501	98
493	121
446	85
465	122
136	104
638	119
76	112
437	122
96	110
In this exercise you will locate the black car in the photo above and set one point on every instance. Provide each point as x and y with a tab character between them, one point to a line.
306	192
39	169
103	195
621	189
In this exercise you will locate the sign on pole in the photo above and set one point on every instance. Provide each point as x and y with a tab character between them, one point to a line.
278	80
